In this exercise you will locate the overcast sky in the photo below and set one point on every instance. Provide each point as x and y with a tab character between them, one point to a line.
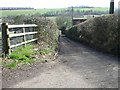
55	3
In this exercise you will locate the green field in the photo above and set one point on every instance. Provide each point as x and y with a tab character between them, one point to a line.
27	12
42	11
93	9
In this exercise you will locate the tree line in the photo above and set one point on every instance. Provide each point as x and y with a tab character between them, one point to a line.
16	8
76	12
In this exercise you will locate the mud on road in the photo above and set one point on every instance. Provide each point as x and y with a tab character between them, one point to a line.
77	66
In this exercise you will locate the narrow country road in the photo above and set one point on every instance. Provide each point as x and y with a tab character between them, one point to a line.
77	66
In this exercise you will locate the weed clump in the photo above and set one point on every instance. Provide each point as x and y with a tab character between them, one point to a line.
22	55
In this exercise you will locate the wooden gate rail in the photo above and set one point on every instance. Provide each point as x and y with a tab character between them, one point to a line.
6	35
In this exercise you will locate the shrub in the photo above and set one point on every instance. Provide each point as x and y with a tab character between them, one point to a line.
100	32
22	53
47	31
64	22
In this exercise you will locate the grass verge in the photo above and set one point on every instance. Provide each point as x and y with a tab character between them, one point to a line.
26	56
20	56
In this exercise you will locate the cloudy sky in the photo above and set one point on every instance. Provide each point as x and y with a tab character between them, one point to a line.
55	3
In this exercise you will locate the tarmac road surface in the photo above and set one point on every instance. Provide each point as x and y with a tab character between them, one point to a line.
77	66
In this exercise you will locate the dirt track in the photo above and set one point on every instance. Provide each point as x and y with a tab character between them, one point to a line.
77	66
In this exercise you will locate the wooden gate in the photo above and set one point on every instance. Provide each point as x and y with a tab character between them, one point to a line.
8	33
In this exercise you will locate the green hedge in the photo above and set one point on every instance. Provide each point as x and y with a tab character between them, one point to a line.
100	32
47	31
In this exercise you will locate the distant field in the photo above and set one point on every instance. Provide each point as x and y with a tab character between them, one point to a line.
42	11
27	12
94	9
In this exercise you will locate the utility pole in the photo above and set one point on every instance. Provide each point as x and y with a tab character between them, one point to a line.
119	8
111	7
72	15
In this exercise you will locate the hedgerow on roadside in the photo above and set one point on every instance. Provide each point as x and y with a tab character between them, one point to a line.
47	31
101	32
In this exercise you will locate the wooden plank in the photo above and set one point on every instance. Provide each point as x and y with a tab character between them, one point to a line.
22	26
21	34
12	46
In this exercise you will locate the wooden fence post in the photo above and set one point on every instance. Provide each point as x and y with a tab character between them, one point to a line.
24	36
5	39
72	16
35	35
